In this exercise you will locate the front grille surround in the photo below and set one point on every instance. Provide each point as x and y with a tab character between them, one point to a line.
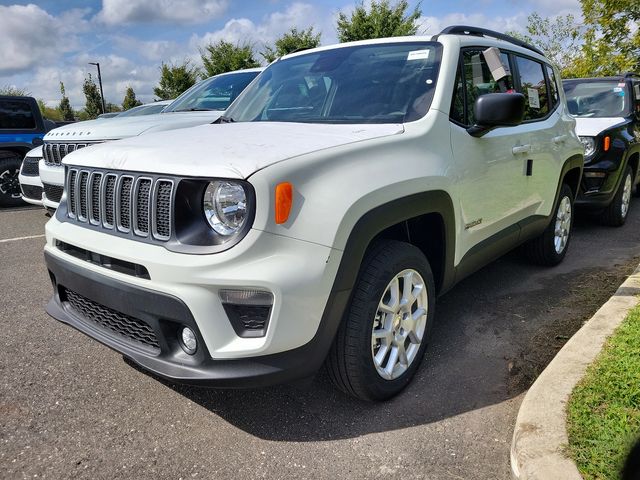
126	203
54	152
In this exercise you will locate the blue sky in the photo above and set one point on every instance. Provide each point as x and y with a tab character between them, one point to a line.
45	42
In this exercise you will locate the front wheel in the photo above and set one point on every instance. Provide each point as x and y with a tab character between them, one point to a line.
381	342
9	183
551	246
615	215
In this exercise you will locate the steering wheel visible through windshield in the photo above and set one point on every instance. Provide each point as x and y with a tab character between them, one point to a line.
379	83
215	93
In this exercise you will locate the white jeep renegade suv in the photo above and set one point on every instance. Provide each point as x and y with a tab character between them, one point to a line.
343	191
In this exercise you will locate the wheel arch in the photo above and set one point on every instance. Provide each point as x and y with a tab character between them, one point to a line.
571	174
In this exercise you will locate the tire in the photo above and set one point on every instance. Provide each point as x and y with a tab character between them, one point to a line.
615	215
10	164
350	363
549	249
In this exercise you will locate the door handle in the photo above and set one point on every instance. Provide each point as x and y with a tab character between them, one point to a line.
559	139
521	149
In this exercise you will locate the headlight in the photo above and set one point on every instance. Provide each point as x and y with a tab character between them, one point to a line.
225	206
589	144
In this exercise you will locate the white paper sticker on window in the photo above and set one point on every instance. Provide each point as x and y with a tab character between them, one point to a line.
636	88
534	98
418	55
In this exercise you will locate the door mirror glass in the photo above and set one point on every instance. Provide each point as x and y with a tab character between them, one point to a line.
497	110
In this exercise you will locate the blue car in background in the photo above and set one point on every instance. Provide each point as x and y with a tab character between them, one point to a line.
21	129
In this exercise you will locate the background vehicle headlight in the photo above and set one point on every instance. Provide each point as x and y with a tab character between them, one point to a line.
589	145
225	206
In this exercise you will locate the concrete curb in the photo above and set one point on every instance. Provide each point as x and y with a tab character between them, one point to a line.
540	433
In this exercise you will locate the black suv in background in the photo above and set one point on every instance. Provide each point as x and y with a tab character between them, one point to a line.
21	129
607	112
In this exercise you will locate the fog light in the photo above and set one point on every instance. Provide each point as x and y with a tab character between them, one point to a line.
189	342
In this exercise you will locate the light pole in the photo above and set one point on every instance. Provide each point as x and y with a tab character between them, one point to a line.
104	109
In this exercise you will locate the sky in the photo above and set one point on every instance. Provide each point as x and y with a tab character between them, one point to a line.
44	43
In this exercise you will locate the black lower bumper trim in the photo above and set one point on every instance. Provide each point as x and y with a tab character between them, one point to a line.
167	315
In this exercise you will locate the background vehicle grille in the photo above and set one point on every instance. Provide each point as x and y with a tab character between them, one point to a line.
105	317
127	203
53	192
53	153
30	166
31	191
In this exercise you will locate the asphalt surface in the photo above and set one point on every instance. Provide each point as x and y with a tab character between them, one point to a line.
71	408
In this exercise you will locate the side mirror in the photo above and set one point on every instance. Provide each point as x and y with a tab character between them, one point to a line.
497	110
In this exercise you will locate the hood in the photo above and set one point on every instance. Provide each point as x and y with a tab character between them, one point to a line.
591	127
35	152
116	128
230	150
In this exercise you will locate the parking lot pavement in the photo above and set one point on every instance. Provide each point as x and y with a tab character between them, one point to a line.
71	408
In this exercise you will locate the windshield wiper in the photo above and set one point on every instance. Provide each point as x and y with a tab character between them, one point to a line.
193	110
224	119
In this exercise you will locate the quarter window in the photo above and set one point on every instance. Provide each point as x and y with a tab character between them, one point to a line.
534	88
553	87
16	114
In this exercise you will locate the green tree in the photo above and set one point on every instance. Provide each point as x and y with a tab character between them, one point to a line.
175	79
382	20
560	38
66	112
224	57
112	107
130	99
612	38
14	91
291	41
48	112
93	105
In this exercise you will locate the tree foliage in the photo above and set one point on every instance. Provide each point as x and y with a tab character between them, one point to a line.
130	99
175	79
48	112
224	57
381	20
13	91
66	112
291	41
559	38
93	105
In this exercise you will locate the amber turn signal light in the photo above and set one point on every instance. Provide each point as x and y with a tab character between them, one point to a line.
284	201
607	143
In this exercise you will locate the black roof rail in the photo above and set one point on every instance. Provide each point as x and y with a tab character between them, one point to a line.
631	74
483	32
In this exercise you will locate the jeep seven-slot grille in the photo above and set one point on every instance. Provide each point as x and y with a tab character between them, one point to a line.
126	203
129	327
53	153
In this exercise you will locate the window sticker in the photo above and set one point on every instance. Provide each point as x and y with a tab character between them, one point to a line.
418	55
636	88
617	89
534	97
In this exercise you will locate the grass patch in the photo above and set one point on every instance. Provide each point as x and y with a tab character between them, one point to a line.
603	413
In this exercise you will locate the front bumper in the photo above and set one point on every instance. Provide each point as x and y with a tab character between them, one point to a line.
53	176
182	290
599	192
31	189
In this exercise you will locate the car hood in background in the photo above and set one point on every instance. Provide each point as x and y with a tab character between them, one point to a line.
116	128
591	127
230	150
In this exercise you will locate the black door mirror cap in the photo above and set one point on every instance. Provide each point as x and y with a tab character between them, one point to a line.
494	110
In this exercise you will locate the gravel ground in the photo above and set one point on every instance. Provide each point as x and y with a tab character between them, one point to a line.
71	408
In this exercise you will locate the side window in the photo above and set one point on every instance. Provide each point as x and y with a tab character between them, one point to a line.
475	80
16	114
534	88
636	94
553	94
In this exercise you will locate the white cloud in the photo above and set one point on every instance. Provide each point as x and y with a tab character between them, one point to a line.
433	25
30	36
117	12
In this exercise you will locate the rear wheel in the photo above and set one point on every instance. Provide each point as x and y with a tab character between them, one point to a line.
615	215
381	342
9	184
551	246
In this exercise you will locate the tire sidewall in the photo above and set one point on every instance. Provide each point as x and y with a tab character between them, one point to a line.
565	192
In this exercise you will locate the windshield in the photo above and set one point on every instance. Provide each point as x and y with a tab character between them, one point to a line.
215	93
597	99
143	110
381	83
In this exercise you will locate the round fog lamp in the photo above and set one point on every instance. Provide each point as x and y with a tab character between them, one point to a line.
189	342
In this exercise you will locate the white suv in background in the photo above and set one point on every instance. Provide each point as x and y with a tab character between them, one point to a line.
343	191
201	104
